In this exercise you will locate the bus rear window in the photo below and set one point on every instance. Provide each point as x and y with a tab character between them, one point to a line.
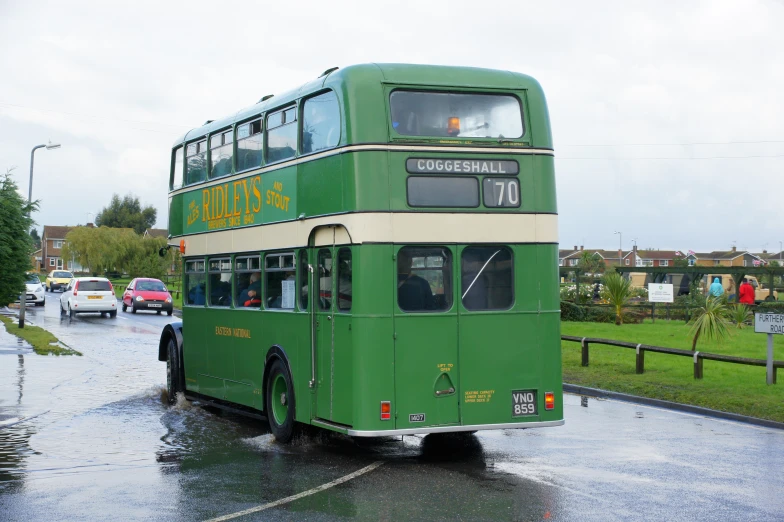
452	115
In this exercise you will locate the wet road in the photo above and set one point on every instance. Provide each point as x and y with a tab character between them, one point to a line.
99	443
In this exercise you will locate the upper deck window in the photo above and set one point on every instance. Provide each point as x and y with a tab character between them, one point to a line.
176	181
320	123
249	145
196	168
222	149
453	115
282	135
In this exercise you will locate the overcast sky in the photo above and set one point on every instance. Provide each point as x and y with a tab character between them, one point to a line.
667	117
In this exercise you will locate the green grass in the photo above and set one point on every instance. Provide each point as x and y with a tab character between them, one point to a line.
725	386
41	340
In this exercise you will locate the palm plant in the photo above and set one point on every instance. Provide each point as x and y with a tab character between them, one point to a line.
617	290
740	315
710	322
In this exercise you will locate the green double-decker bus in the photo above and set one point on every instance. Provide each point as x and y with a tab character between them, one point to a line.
374	253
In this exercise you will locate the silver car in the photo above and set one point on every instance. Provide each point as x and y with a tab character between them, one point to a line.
34	293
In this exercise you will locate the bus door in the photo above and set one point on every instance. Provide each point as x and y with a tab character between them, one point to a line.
427	384
333	350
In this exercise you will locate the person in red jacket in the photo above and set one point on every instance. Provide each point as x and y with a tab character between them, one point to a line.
746	293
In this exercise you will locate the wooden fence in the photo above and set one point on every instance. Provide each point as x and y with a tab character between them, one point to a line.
640	349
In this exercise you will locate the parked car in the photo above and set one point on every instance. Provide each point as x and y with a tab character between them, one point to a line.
147	294
57	280
35	292
88	294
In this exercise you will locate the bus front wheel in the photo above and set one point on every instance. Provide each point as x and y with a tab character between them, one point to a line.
173	385
280	403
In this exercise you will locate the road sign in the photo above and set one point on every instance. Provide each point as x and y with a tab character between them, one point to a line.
659	293
769	323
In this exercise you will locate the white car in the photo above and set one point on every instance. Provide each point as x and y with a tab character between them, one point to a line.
88	294
35	292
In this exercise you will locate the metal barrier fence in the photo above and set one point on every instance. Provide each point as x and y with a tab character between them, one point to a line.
697	356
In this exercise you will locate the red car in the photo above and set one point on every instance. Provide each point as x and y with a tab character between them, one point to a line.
147	294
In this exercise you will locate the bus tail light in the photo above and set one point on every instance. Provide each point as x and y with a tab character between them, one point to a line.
549	401
453	126
386	410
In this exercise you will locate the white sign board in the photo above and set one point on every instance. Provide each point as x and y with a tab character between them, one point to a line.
769	323
659	293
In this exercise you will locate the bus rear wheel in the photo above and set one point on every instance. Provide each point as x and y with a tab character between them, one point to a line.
173	384
279	402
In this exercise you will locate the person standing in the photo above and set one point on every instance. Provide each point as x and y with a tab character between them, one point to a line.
746	293
716	290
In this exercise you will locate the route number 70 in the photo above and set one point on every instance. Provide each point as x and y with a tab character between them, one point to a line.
501	192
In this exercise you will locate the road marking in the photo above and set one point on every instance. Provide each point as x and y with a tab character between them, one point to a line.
292	498
16	420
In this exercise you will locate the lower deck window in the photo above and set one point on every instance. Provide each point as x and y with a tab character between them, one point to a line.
424	279
220	282
486	278
281	284
195	282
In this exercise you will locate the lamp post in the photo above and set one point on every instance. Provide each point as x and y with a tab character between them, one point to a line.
620	248
49	146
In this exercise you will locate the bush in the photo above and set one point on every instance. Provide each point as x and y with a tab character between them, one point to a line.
572	312
768	307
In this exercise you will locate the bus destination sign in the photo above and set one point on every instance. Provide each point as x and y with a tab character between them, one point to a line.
462	166
769	323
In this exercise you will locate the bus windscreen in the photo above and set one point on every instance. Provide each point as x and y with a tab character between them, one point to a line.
452	115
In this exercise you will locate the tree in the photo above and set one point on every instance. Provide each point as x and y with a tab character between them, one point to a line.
617	290
16	245
127	213
711	322
36	238
680	261
103	249
591	264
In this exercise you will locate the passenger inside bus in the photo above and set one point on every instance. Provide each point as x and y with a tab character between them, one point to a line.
413	292
251	295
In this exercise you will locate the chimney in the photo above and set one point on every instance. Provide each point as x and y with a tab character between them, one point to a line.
575	248
634	249
581	248
764	251
734	249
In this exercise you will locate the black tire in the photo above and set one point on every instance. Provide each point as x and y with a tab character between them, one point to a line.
281	428
158	312
62	310
71	313
125	307
173	375
170	312
113	313
133	309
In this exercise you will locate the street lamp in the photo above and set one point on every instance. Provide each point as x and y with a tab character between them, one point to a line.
49	146
620	248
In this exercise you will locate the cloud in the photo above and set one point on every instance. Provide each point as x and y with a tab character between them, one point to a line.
117	86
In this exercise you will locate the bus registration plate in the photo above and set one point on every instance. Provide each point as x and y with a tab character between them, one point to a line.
523	403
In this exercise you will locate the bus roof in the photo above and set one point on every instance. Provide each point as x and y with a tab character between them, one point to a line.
373	73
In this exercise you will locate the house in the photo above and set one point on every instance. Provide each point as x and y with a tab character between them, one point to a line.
664	258
725	258
569	257
156	232
51	245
